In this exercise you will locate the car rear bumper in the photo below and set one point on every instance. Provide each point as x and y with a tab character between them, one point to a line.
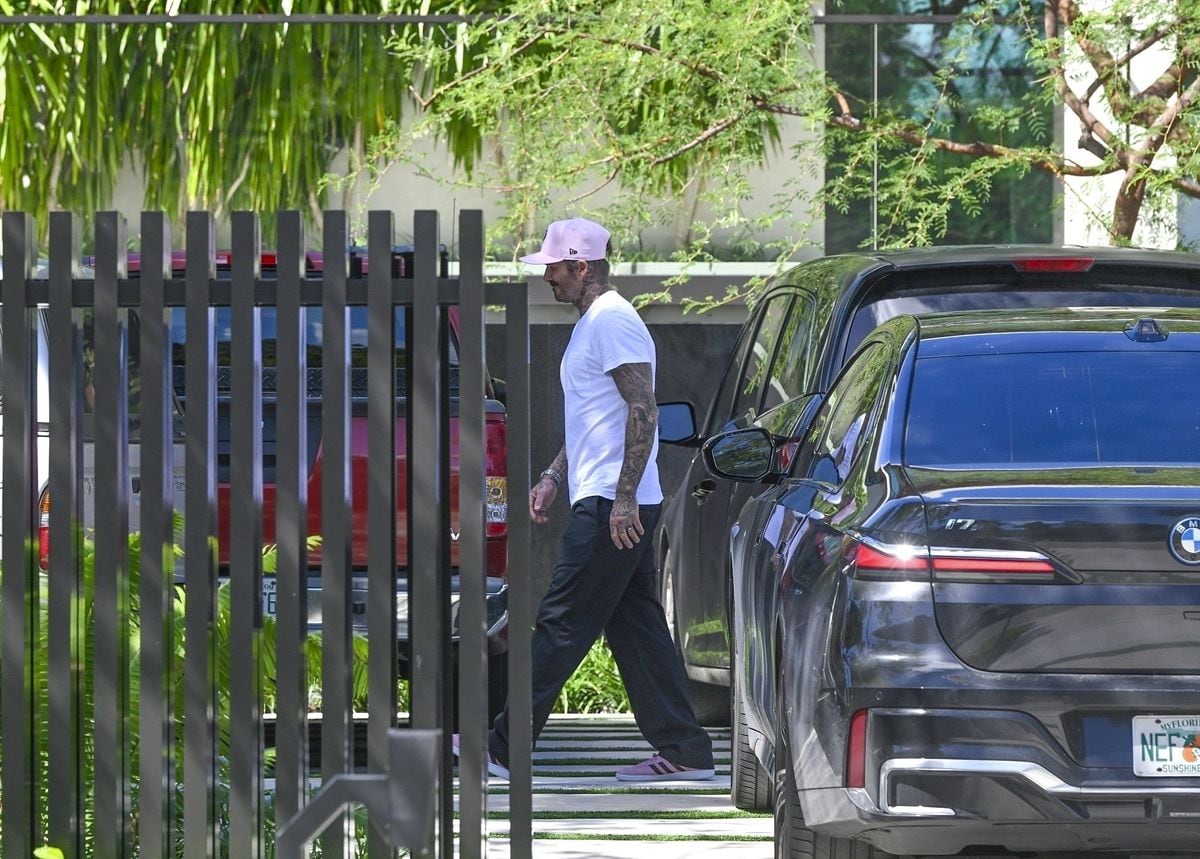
940	780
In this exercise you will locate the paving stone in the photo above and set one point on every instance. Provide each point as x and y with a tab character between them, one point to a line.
580	791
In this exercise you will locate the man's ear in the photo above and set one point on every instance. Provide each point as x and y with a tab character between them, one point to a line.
582	269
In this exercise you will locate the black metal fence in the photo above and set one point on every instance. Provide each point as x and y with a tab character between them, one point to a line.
132	712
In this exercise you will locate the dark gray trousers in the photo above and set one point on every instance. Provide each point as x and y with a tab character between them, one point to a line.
599	588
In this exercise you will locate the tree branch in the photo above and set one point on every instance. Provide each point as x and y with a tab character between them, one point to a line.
1102	61
1191	187
1142	46
461	79
709	133
1092	125
616	171
1050	163
650	50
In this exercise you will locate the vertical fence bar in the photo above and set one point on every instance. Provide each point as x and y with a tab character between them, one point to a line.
472	558
291	524
111	645
427	627
381	504
156	794
65	618
446	781
336	506
520	694
17	704
245	550
200	549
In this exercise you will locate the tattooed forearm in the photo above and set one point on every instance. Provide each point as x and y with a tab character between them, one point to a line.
560	461
636	385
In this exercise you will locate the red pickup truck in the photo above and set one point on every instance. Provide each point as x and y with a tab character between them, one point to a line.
495	455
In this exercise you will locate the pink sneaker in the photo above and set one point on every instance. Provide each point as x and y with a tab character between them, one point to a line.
494	767
658	768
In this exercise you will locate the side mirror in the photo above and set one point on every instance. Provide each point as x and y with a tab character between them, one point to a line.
744	454
677	423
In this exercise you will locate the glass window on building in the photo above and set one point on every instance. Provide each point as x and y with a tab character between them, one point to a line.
880	52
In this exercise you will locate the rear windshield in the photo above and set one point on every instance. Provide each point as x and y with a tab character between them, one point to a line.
1079	408
915	301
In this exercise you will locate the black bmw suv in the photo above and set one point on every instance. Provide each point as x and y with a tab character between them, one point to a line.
809	321
966	614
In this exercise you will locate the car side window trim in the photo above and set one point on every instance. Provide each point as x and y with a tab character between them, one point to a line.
846	417
723	413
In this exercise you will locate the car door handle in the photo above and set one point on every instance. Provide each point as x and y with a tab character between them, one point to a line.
704	487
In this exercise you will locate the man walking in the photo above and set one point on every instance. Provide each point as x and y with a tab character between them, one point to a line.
604	580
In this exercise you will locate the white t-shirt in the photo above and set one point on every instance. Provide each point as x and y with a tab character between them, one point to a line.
608	335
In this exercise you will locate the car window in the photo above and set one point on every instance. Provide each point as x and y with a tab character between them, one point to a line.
133	363
795	357
845	419
755	376
718	413
729	391
314	339
1077	408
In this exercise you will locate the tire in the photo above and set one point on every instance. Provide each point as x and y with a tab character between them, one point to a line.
749	784
710	703
794	840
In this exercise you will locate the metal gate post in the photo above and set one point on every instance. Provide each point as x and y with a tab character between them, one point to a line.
400	802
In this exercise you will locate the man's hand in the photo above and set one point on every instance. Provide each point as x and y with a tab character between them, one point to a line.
540	498
624	524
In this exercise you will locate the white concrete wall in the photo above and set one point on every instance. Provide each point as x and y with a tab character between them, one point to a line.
404	188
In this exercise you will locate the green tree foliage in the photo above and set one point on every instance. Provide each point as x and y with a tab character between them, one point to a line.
213	116
635	107
646	100
650	111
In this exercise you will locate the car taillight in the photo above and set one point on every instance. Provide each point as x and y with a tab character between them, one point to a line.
44	530
1040	265
856	750
496	466
497	506
988	565
872	559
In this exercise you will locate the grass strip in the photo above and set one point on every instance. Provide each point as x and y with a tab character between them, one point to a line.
732	814
583	836
586	761
606	791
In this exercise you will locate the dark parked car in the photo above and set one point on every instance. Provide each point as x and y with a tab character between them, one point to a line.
808	322
967	614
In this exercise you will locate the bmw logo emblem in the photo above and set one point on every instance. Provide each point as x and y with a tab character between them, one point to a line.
1185	540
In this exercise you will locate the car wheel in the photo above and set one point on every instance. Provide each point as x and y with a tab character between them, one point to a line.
794	840
749	783
710	703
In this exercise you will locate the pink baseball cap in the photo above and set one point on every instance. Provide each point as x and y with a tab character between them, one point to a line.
576	238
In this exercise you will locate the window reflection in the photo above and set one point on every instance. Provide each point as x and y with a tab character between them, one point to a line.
897	67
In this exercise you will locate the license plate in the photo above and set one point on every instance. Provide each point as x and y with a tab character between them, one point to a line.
1166	746
268	596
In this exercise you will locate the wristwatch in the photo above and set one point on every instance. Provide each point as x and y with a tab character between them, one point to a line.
553	474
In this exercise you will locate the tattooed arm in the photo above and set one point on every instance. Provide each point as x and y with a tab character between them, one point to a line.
635	382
